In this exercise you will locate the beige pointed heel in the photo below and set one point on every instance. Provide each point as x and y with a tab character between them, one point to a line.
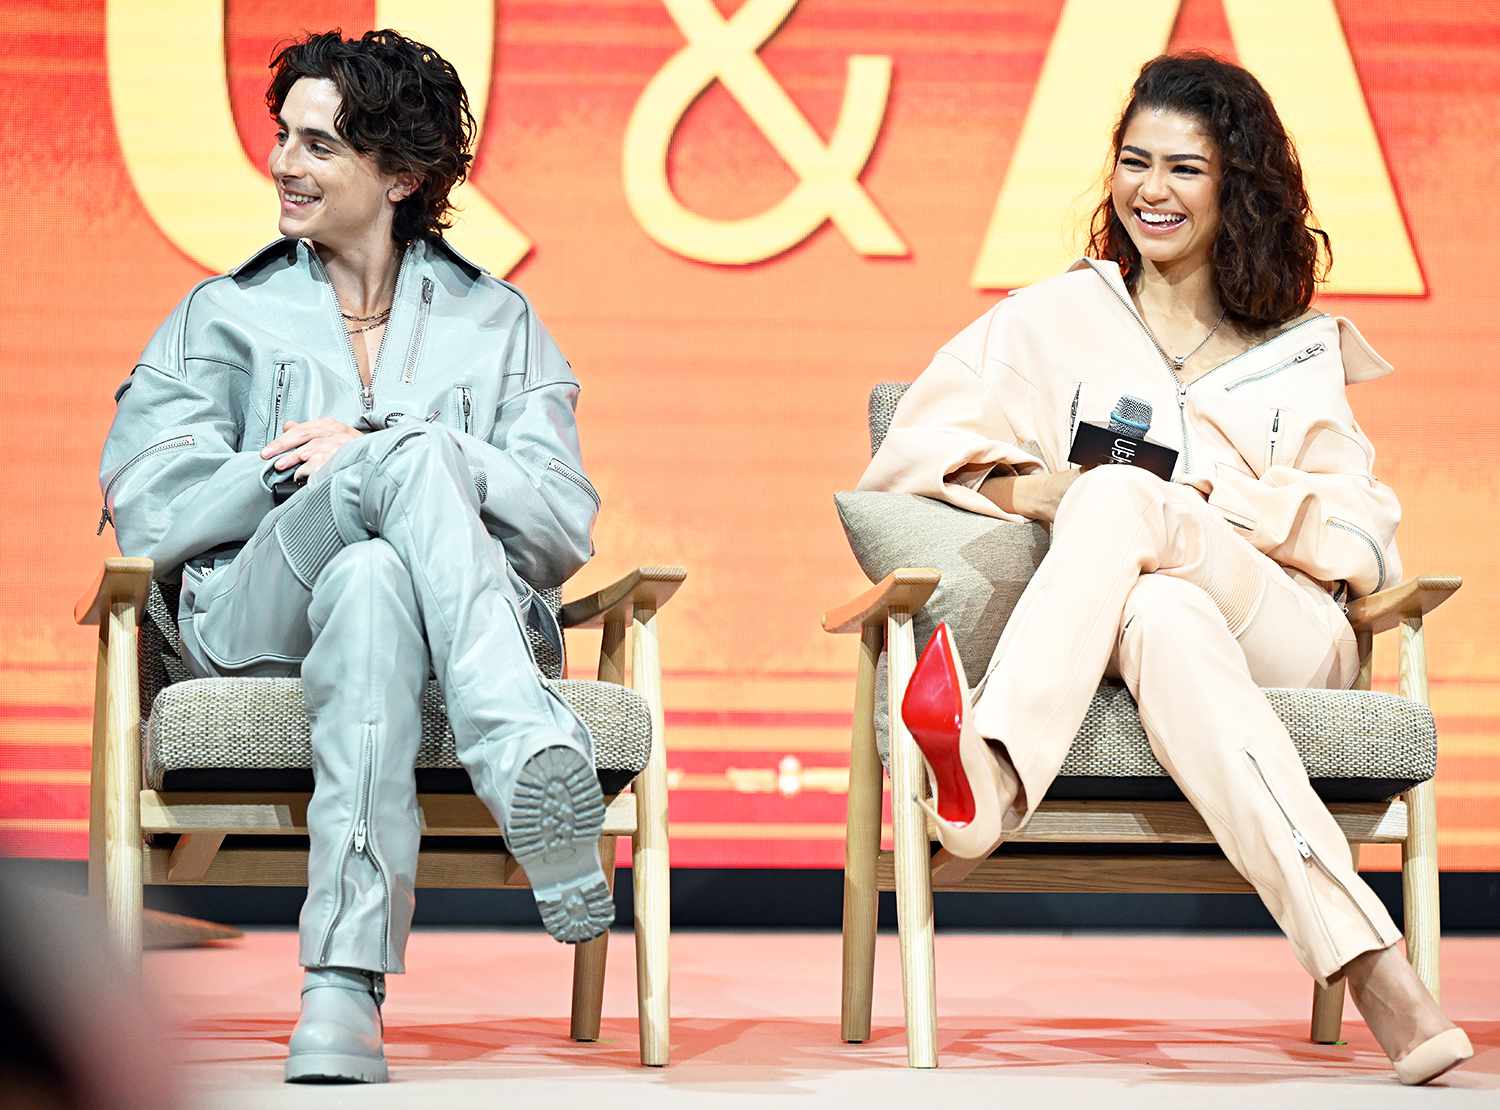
1433	1057
973	788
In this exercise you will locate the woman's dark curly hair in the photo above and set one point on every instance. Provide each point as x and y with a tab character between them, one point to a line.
1266	256
402	104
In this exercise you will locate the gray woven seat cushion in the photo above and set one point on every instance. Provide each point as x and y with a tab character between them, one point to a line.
1353	743
1357	745
260	724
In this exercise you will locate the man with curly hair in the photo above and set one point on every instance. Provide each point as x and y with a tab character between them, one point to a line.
357	453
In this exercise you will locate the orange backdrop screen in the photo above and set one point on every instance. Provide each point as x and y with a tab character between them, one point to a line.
735	218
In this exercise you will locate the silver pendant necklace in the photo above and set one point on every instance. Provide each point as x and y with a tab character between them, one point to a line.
1179	360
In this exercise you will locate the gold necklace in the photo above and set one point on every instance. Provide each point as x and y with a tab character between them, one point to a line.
369	322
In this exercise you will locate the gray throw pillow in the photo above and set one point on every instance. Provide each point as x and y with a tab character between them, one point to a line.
985	564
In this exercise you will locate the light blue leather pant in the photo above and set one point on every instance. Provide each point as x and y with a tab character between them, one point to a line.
377	569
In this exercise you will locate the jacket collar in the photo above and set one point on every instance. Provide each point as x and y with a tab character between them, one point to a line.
1361	361
293	250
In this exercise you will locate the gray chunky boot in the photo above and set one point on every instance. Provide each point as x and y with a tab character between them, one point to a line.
556	814
338	1037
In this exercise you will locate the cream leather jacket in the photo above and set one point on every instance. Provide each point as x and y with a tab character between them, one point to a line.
1267	437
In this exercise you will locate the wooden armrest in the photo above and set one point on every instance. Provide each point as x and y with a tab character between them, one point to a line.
648	587
1412	598
124	578
905	589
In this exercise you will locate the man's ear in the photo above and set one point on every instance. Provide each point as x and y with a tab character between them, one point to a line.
404	186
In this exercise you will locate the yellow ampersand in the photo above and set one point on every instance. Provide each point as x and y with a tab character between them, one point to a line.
829	189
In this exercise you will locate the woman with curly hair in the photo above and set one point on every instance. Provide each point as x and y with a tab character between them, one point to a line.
1193	307
357	454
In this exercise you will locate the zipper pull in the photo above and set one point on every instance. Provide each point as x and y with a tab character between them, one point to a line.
1315	349
103	520
468	412
426	290
1297	838
360	831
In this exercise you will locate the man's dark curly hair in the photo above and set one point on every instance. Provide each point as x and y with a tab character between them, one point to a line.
1266	257
402	104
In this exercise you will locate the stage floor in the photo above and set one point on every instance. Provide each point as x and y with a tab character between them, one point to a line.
1026	1020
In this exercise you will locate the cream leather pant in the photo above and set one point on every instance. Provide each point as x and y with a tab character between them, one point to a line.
1145	580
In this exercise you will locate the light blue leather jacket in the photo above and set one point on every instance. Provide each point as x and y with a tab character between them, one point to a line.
246	351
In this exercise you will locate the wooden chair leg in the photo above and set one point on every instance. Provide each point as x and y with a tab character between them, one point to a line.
123	850
861	848
652	871
1419	852
1328	1002
1419	886
913	878
589	960
99	775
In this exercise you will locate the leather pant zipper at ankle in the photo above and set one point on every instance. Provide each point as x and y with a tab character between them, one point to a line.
359	845
1310	857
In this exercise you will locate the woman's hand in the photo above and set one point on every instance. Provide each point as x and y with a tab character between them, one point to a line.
308	445
1035	496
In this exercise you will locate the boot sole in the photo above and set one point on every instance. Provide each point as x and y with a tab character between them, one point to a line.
328	1068
556	818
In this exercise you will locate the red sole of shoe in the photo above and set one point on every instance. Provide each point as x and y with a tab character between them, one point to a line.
955	801
933	711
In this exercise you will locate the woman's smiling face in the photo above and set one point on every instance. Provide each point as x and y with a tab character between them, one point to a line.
1165	187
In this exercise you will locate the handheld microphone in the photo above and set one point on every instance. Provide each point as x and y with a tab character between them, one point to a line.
1132	417
1123	441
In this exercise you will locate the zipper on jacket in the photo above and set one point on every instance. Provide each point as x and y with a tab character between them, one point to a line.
576	478
1300	357
283	379
366	392
359	845
1187	447
1182	389
1073	414
154	449
1355	529
1305	850
1275	431
419	332
466	397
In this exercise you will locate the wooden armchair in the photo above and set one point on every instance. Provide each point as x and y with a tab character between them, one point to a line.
176	831
883	619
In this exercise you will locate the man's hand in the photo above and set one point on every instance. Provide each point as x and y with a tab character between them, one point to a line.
307	445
